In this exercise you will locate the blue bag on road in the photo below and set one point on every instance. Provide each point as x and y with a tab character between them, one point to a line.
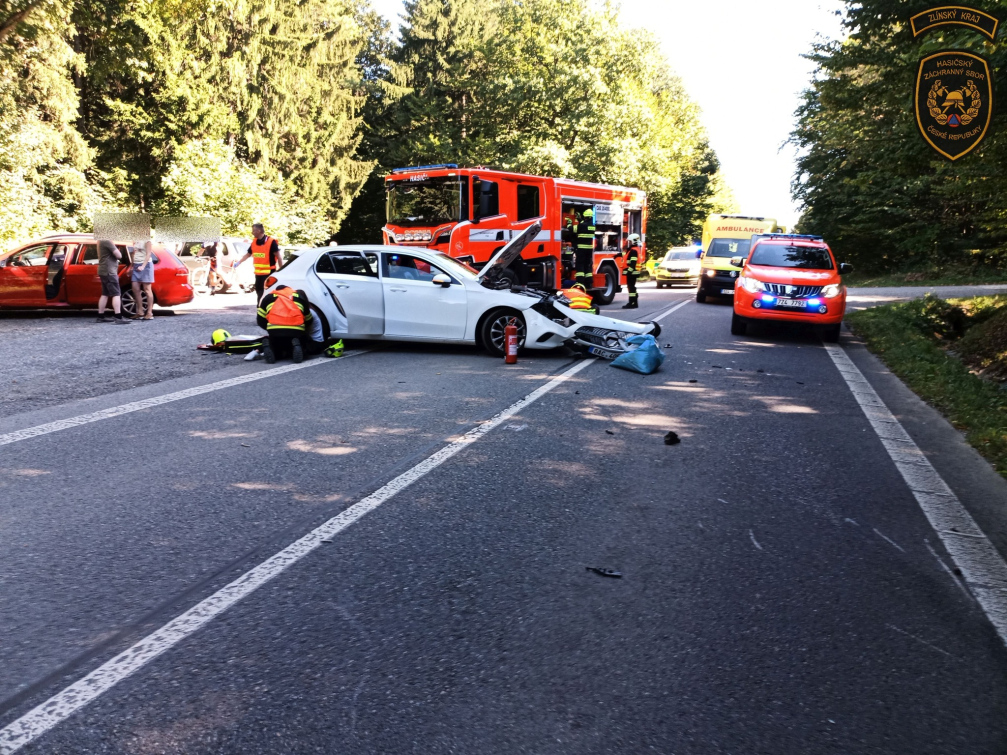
645	358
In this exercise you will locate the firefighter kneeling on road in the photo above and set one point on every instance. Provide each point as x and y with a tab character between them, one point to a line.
286	316
633	257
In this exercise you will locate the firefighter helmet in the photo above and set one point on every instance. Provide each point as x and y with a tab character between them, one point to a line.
335	350
219	336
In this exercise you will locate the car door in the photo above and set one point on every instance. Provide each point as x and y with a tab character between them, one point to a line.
24	275
415	306
59	259
351	278
83	287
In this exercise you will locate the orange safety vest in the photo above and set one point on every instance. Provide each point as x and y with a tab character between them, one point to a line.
263	265
284	312
578	299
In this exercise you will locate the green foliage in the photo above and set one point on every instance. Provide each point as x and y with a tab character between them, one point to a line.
548	87
42	157
868	181
279	110
206	179
984	345
905	337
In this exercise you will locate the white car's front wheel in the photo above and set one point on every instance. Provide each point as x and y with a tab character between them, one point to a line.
493	334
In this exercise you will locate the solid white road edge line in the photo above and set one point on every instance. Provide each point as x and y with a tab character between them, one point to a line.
147	403
981	565
39	720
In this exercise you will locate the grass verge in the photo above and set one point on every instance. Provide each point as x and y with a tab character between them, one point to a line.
950	276
918	339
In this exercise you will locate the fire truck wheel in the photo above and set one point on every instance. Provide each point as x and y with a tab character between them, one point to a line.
607	294
491	332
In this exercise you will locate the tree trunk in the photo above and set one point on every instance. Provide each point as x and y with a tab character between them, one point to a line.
10	24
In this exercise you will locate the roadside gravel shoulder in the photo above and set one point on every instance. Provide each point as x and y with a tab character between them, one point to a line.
53	358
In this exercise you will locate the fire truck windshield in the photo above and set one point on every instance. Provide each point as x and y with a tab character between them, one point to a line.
429	202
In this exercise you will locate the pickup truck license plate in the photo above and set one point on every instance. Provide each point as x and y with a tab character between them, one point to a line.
792	303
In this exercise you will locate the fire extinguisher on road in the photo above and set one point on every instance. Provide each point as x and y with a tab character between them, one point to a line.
510	342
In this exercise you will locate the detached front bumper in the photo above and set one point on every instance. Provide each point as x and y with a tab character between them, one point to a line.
595	334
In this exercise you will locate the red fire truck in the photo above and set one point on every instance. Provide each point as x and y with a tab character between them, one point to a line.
469	213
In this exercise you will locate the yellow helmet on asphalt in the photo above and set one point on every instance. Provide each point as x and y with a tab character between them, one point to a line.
335	350
219	336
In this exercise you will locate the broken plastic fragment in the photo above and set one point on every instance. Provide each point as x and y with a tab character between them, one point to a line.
604	572
672	439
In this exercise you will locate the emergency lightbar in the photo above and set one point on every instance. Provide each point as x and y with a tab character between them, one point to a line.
425	167
796	236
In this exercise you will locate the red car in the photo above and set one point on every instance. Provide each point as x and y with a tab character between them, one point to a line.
790	278
62	271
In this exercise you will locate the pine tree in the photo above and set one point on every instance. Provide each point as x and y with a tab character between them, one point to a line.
867	180
442	59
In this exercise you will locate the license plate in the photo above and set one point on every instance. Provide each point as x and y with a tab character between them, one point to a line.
727	290
792	303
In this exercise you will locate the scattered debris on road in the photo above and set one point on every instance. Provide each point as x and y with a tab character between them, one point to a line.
609	432
672	439
604	572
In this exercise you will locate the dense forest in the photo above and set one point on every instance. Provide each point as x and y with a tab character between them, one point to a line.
291	111
868	181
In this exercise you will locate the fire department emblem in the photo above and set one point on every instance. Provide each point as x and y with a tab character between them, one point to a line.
954	102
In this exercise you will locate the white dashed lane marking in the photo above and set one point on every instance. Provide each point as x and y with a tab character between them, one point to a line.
167	398
62	705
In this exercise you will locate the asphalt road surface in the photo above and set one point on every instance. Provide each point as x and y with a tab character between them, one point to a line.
781	590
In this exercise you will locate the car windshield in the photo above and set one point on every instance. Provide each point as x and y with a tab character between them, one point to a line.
673	256
455	267
729	248
804	257
426	203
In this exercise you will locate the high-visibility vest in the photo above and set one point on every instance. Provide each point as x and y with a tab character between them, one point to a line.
263	265
284	312
585	233
578	299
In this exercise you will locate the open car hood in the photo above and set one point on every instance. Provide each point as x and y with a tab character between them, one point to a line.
508	253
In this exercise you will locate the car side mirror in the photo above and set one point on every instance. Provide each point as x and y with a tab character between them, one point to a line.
845	268
737	261
441	280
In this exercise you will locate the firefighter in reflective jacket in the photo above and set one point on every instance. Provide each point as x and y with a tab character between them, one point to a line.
634	255
584	257
265	254
579	299
286	316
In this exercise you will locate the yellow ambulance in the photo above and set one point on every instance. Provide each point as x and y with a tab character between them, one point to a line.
726	236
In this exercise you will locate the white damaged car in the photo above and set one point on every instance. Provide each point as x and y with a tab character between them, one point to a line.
401	293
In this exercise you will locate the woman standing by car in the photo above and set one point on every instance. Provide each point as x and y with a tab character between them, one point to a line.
142	275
